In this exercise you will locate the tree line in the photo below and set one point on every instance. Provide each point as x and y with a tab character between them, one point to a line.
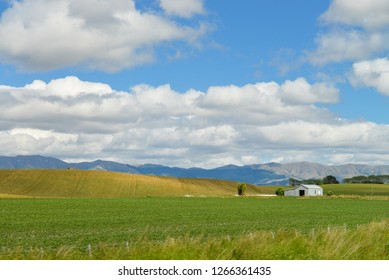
326	180
371	179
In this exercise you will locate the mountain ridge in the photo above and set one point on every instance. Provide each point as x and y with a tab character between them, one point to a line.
258	174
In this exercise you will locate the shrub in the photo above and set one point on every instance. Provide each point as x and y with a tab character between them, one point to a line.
330	193
280	192
242	189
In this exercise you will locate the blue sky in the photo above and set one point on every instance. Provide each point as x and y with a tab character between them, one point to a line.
196	82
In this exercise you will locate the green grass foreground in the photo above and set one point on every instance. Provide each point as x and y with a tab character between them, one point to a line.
367	242
194	228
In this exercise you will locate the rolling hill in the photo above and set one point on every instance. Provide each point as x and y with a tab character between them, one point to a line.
256	174
95	183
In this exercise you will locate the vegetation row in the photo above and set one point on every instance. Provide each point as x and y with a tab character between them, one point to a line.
371	179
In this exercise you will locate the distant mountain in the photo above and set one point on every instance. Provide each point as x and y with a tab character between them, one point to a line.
105	165
258	174
309	170
32	162
231	172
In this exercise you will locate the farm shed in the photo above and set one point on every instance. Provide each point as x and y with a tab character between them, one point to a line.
305	190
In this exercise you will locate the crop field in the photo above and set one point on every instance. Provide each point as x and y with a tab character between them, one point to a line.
74	214
359	189
105	228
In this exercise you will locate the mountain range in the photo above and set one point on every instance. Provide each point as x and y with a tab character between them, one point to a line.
258	174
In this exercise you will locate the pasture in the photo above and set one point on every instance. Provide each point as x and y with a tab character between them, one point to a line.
358	189
74	214
107	228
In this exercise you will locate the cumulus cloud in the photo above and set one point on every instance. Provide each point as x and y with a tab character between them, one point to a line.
183	8
341	45
76	119
372	73
356	30
371	14
104	35
301	92
317	135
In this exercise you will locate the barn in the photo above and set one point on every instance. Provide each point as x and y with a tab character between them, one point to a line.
305	190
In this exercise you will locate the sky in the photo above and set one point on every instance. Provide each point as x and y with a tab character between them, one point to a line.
195	82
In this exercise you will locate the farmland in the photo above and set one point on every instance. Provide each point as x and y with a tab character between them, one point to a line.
73	214
359	189
48	226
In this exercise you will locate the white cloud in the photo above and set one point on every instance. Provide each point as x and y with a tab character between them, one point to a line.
301	92
372	73
357	30
371	14
69	87
183	8
265	103
340	158
340	45
222	125
46	35
341	134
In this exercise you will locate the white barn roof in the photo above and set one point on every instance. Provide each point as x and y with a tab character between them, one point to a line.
311	186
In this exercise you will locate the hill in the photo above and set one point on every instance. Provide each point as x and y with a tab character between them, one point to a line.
310	170
257	174
81	183
234	173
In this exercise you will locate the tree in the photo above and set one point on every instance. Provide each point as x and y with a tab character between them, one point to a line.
242	189
330	180
294	182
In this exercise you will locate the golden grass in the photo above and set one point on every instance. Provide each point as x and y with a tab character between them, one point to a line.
81	183
7	195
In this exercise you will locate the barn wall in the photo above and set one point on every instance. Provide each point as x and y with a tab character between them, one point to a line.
308	192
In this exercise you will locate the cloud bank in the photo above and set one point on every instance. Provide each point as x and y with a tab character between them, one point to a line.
42	35
355	30
372	73
259	122
370	14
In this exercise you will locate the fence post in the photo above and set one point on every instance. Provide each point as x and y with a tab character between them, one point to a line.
90	251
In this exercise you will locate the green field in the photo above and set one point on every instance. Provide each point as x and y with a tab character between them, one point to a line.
50	225
73	214
358	189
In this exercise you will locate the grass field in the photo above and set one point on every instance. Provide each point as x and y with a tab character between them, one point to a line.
81	183
73	214
129	228
358	189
